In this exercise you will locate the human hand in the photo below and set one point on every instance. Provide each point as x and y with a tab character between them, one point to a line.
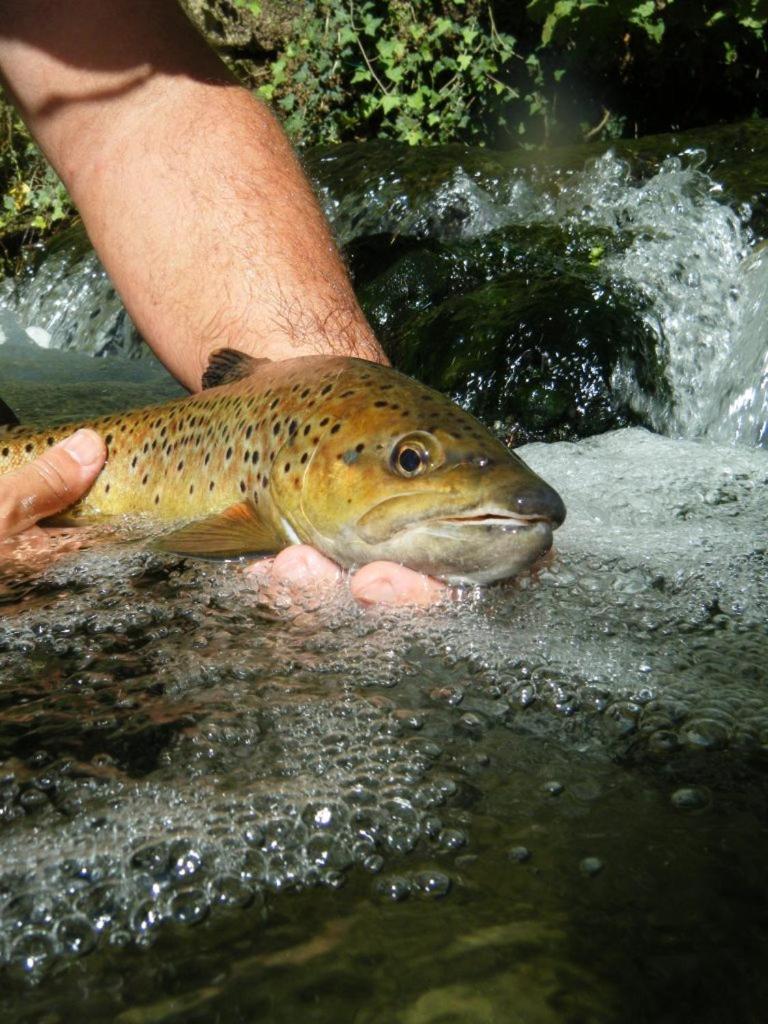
51	483
376	583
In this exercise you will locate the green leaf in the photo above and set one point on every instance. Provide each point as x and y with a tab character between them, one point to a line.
390	101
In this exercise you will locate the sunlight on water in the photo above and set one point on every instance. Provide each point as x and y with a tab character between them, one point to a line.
677	246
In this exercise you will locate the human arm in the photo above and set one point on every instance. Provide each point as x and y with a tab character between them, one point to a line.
51	483
192	197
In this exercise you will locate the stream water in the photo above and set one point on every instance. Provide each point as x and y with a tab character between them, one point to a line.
542	803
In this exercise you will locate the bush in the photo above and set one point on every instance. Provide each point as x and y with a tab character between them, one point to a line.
412	70
32	199
428	71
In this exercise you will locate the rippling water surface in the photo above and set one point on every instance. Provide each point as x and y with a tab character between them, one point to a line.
545	802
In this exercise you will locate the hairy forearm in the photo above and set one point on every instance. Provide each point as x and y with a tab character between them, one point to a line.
187	186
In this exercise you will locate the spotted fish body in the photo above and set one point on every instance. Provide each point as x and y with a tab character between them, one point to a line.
350	456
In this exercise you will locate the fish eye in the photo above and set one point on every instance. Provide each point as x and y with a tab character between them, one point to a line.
410	458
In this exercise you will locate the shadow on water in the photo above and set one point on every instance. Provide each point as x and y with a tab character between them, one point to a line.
545	803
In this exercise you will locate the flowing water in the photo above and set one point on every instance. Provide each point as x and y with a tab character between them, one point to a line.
542	803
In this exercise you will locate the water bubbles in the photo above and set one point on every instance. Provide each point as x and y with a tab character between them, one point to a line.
230	891
591	866
185	861
451	839
394	888
690	798
152	858
75	935
553	787
32	951
519	854
188	906
433	884
144	919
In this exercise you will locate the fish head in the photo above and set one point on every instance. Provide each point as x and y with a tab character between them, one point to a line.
399	472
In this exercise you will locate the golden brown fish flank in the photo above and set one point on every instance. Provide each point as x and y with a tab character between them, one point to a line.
347	455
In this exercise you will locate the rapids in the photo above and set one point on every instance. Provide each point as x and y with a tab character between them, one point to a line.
548	797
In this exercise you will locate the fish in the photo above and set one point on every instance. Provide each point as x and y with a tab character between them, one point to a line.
351	457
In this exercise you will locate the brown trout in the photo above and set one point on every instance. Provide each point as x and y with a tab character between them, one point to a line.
349	456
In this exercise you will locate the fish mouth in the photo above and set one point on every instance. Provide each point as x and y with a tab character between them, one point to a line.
502	520
473	545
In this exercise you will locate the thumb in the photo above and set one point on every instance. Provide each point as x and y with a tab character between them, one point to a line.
51	483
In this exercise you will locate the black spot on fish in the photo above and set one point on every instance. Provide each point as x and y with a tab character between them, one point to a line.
134	460
307	429
191	488
335	428
246	455
380	404
287	467
292	428
6	452
228	454
180	466
347	394
28	447
144	479
248	432
207	458
304	393
108	439
304	458
242	486
326	389
255	458
276	429
106	488
211	485
157	499
146	447
324	421
274	404
49	441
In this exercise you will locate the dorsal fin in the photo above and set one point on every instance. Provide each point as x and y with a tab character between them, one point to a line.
226	365
8	417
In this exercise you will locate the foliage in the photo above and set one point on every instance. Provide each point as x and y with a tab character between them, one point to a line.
32	199
480	71
549	70
409	70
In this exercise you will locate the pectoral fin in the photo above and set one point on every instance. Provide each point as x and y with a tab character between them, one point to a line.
238	530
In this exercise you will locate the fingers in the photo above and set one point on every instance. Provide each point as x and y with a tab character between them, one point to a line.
302	565
388	583
377	583
51	483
